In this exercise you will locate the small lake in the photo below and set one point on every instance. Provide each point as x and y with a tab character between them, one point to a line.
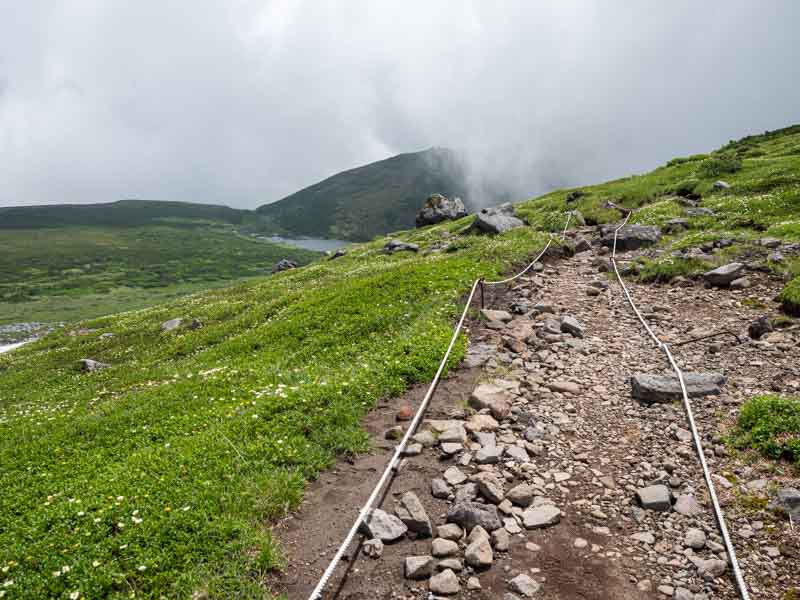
318	244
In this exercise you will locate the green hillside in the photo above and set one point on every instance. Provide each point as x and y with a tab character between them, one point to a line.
371	200
123	213
70	273
160	475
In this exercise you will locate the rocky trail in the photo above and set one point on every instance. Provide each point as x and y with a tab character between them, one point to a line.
536	474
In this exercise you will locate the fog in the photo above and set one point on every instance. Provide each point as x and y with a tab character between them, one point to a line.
240	102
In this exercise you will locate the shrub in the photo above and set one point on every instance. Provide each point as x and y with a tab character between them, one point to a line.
790	297
718	165
681	160
685	187
770	424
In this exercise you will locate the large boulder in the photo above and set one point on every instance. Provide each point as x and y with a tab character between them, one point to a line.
725	275
666	388
630	237
393	246
438	208
497	219
284	264
380	524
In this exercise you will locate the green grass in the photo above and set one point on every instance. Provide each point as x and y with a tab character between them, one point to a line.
208	435
162	475
71	273
770	424
667	269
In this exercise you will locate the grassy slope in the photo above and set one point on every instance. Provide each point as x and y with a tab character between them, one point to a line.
371	200
206	435
69	273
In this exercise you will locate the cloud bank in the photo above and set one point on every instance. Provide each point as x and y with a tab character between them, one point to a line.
241	102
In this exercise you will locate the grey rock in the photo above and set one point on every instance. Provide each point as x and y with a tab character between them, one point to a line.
373	548
440	489
724	275
721	185
453	564
760	327
711	568
382	525
788	500
454	476
687	505
490	487
438	208
442	548
700	212
541	516
488	455
676	225
582	244
445	583
470	514
393	246
479	554
450	531
87	364
451	448
493	397
630	237
517	453
497	219
524	585
695	539
418	567
500	540
522	494
654	497
455	434
172	324
564	386
284	264
742	283
411	512
571	325
683	594
497	315
338	254
666	388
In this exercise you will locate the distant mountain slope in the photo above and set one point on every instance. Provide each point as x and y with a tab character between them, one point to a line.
123	213
367	201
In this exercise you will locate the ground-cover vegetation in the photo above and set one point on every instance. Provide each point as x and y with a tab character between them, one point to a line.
159	475
68	273
771	425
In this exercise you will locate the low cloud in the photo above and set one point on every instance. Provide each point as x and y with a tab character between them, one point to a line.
243	102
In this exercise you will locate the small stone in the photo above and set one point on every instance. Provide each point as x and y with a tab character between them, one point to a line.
413	450
687	505
521	495
724	275
450	531
470	514
711	569
418	567
683	594
89	365
479	554
541	516
442	548
644	585
493	397
373	548
654	497
454	476
525	585
411	512
394	433
488	455
580	543
564	386
440	489
695	539
645	537
473	583
454	564
445	583
405	413
666	590
380	524
500	540
571	325
451	448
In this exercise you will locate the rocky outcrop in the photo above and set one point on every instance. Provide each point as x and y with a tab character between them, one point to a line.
497	219
393	246
87	364
438	208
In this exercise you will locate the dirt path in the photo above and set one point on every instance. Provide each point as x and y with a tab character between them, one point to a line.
580	444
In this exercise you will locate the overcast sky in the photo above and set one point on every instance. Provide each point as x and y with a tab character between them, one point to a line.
242	102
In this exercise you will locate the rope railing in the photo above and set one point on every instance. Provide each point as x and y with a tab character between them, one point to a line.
391	467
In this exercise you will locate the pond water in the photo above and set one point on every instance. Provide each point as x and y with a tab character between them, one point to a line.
318	244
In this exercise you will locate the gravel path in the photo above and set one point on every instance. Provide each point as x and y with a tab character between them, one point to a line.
579	490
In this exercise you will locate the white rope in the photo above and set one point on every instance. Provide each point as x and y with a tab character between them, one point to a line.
317	593
740	583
